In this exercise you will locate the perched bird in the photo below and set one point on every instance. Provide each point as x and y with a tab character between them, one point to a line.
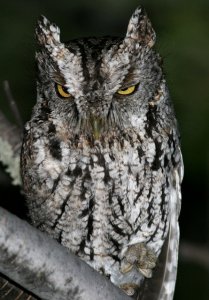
101	162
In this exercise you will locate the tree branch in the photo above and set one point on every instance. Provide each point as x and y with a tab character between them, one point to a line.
47	269
11	138
10	145
12	103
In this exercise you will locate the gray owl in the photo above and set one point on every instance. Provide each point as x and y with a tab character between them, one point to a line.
101	160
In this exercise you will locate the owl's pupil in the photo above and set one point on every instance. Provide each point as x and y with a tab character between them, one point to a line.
65	89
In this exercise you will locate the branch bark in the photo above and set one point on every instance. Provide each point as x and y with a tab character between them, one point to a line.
47	269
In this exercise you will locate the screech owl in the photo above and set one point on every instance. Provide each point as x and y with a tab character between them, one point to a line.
101	161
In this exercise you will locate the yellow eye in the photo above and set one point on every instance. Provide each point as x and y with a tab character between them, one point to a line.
62	91
128	91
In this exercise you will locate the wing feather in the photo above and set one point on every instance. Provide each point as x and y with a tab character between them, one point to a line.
162	285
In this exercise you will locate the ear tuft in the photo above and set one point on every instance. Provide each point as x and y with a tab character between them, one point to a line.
47	34
140	28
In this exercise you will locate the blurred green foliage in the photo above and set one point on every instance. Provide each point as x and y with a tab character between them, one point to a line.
183	40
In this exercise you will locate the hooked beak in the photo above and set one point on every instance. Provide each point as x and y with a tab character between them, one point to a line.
97	125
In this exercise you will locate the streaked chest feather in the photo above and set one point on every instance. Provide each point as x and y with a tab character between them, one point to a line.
97	195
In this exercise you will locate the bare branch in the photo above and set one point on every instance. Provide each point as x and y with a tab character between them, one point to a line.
47	269
10	145
12	104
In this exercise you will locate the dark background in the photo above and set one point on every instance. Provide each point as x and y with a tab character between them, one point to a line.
183	40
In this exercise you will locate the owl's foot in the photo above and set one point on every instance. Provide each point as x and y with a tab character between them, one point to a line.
141	257
129	288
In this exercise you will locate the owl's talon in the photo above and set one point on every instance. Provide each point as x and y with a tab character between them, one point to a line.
146	272
140	256
125	267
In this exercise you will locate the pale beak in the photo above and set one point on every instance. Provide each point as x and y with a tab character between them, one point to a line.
97	126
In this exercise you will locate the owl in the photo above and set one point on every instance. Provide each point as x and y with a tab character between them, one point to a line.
101	162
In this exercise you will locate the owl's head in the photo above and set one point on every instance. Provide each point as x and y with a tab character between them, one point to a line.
97	85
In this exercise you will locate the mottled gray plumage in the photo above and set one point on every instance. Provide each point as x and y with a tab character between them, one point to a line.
101	160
